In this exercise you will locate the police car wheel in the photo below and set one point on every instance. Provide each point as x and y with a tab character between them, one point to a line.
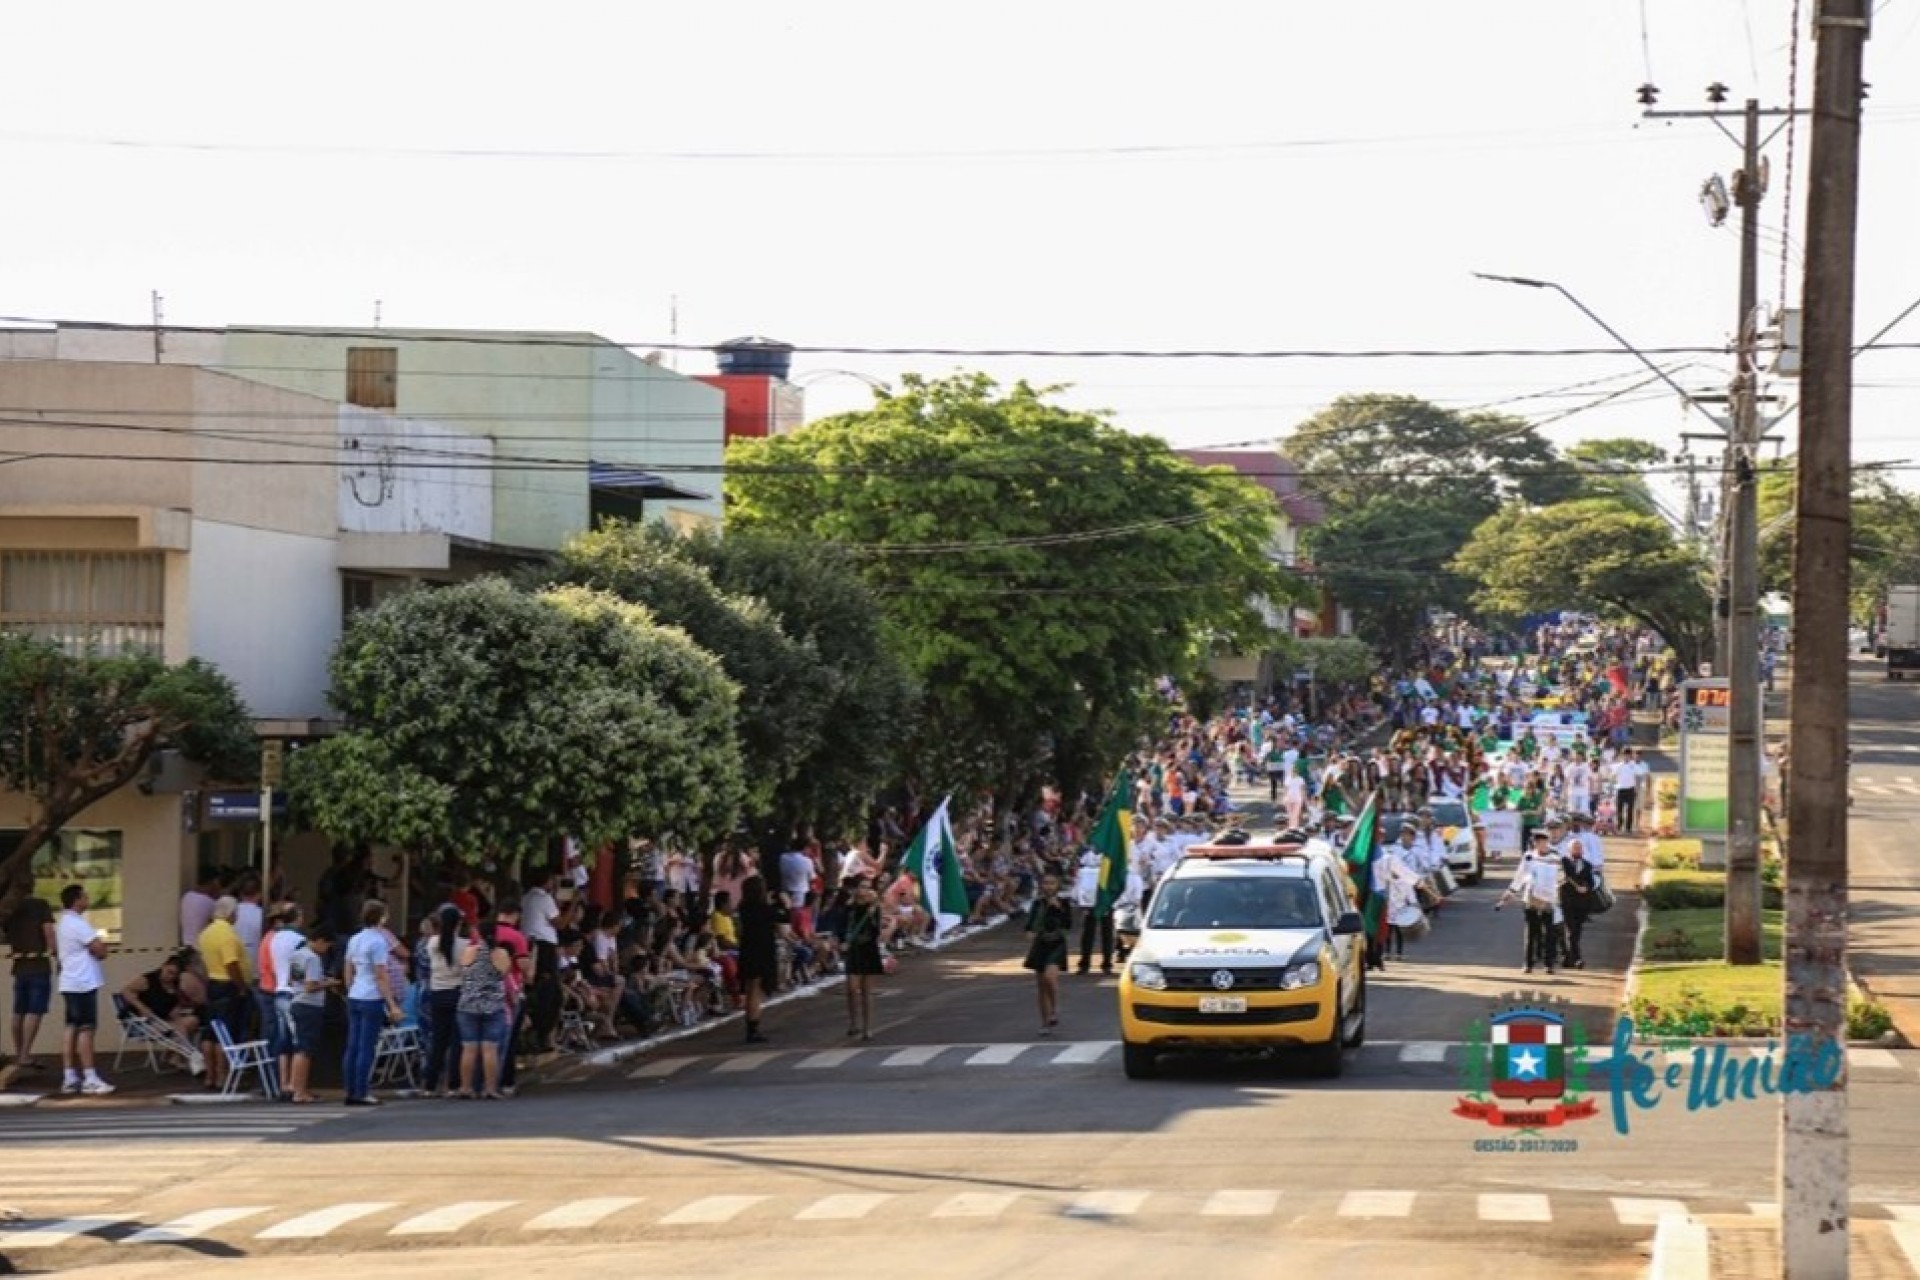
1358	1036
1139	1061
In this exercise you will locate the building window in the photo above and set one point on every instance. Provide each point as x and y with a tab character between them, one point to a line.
373	377
85	857
106	602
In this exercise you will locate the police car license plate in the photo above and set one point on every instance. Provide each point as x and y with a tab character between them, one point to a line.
1223	1004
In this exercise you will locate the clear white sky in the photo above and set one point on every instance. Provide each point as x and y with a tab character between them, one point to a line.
908	173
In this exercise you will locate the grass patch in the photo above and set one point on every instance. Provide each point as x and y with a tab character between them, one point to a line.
1708	998
1698	934
1674	851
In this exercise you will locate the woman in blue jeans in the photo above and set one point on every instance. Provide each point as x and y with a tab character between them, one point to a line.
371	1003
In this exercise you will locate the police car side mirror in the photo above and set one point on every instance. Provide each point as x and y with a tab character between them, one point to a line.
1348	923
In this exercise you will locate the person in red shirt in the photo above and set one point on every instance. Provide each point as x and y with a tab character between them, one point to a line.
506	933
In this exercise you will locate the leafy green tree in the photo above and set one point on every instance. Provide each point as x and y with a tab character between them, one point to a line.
1592	554
1405	483
1617	468
785	691
485	721
1037	567
1886	535
816	591
74	729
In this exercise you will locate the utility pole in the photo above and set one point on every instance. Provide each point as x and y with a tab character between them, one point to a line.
1743	578
1737	608
159	340
1813	1159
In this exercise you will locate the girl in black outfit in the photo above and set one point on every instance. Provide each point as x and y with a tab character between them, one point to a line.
861	946
1049	920
759	951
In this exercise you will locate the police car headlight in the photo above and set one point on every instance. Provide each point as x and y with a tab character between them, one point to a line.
1296	976
1149	977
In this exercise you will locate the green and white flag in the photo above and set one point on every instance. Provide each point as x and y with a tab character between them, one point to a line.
933	860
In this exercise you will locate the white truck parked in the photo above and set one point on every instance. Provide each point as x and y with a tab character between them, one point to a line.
1900	632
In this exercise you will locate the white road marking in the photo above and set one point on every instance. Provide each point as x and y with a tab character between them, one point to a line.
997	1055
321	1222
844	1207
1881	1059
1108	1204
1376	1204
741	1062
191	1226
1903	1212
1524	1207
46	1235
1631	1212
827	1060
1424	1051
710	1211
662	1069
1087	1051
1906	778
449	1218
918	1056
1763	1208
1241	1204
576	1215
977	1204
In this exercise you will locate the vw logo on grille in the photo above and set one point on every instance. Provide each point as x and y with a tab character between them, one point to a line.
1223	979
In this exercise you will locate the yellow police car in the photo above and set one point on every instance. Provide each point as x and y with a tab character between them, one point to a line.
1247	947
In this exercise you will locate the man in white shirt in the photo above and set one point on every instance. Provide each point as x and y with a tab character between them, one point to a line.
1589	841
1086	897
796	875
81	948
1537	884
1626	792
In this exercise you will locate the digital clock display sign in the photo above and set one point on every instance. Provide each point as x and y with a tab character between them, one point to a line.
1708	696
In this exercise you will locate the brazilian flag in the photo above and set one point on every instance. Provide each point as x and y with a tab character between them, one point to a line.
1112	840
1363	849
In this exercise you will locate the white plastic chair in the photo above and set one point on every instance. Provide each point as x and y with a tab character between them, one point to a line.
244	1056
399	1052
161	1043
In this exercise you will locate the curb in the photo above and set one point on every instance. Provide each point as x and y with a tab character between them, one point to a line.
619	1053
1906	1019
1642	916
20	1099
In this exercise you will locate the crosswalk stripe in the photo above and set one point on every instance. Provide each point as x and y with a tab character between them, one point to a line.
1108	1204
1514	1207
1633	1212
1763	1208
1874	1058
977	1204
1376	1204
844	1207
1903	1212
1907	778
1906	1237
710	1211
997	1055
321	1222
449	1218
1424	1051
741	1062
827	1060
1241	1204
1081	1054
918	1056
662	1068
49	1234
191	1226
576	1215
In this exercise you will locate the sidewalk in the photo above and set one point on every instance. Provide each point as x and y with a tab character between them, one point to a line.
1747	1247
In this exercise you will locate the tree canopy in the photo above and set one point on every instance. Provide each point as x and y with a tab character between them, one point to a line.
1405	484
484	721
1616	468
1592	554
76	728
1886	535
1037	566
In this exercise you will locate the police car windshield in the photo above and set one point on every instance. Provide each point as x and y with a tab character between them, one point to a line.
1251	902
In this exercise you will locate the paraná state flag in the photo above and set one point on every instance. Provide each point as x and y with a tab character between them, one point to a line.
933	860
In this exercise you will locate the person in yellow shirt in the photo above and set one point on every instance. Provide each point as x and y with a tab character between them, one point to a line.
229	981
720	924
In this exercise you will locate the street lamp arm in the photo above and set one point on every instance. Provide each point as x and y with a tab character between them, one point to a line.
1611	332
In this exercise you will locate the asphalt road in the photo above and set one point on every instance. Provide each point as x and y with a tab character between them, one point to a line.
1883	851
959	1144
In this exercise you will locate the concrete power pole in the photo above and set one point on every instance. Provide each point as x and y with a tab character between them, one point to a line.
1813	1158
1743	578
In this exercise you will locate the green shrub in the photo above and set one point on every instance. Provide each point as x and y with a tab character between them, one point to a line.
1676	860
1695	1013
1867	1020
1687	889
